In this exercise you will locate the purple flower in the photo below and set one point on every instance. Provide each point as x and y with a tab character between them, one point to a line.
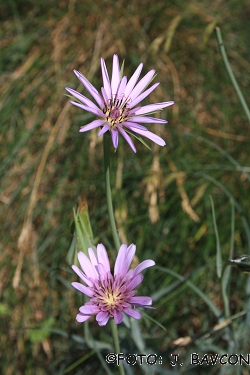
110	295
116	107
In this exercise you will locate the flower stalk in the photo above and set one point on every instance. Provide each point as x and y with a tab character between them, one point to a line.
116	343
106	147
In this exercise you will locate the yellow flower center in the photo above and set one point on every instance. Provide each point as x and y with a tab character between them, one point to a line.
110	299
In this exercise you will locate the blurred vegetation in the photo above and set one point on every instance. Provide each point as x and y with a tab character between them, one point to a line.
162	200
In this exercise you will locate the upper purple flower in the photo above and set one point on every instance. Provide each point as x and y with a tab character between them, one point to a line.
110	295
117	104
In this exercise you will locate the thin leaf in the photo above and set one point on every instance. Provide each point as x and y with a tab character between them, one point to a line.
153	320
139	138
236	204
78	362
231	74
219	264
227	272
211	305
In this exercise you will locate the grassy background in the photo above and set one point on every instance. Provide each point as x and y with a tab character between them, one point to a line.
162	201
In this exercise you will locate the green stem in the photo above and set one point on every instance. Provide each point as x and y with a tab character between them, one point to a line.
224	290
227	270
230	73
116	343
106	147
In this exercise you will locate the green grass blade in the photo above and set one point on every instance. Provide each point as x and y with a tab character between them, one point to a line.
227	273
218	248
222	152
207	300
153	320
78	362
231	74
165	291
236	205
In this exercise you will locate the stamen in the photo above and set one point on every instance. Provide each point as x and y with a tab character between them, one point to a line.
116	111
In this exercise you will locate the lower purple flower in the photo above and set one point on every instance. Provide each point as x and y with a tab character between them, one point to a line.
110	296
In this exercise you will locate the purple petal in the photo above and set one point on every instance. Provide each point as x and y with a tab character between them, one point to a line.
133	111
124	259
118	317
115	80
152	108
114	135
143	95
140	300
87	266
92	257
120	260
82	318
130	274
155	138
133	80
105	78
128	139
84	289
130	253
96	111
148	120
103	257
131	312
121	88
128	124
82	276
142	84
102	272
105	128
89	309
82	98
134	282
145	264
92	125
91	89
102	318
104	94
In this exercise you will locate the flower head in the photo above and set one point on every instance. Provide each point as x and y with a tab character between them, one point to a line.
110	295
116	105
